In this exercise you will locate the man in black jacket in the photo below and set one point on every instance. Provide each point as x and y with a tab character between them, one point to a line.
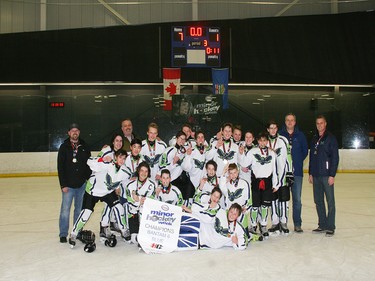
324	160
73	172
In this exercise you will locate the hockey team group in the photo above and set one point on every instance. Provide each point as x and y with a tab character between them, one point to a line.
230	184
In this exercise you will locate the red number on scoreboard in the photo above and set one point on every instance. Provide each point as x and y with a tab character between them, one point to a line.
195	31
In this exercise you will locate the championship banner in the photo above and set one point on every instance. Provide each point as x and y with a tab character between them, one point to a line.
171	84
159	227
220	77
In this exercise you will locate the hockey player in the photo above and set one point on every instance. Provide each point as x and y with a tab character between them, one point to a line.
237	190
219	228
105	179
137	191
132	162
186	128
237	134
208	183
195	159
107	155
166	192
172	160
223	150
280	202
264	182
244	149
152	150
173	156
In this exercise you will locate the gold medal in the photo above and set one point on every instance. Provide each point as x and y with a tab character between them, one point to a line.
74	160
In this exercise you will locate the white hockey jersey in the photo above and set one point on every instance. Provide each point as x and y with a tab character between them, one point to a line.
280	146
227	153
105	177
215	229
194	164
145	189
262	162
152	155
166	161
171	195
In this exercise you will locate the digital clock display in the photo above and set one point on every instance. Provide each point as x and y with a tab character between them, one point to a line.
195	46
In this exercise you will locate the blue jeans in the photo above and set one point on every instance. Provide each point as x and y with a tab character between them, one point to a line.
297	203
321	188
66	204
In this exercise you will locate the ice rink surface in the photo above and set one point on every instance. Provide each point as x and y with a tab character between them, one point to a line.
30	247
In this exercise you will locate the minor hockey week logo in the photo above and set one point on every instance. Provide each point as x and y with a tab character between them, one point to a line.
161	217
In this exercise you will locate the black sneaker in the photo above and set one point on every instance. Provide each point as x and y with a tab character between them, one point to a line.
63	240
330	233
318	230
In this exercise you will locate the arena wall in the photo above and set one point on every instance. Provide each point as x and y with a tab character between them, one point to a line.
45	163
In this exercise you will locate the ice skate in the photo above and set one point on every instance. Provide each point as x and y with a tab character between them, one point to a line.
72	241
253	230
264	232
274	230
284	229
105	233
126	235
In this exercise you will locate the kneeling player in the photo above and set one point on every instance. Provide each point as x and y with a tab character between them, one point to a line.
166	192
104	180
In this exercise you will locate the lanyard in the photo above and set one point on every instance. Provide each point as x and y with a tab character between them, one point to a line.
235	182
261	151
152	148
317	143
132	162
230	144
75	151
274	144
211	181
234	227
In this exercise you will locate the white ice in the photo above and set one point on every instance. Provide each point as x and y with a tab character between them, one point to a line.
30	247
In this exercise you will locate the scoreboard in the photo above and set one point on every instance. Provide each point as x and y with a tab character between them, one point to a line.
195	46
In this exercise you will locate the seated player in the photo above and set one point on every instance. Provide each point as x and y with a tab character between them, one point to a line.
102	185
166	192
137	191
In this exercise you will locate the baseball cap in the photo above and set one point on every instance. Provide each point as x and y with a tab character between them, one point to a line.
73	125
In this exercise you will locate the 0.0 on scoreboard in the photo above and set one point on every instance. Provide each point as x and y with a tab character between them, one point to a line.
195	46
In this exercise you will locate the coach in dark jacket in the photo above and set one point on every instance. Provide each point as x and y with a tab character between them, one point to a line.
298	143
73	172
324	160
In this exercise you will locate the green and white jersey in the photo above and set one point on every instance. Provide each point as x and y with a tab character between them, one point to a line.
237	191
171	195
152	155
105	177
215	229
135	187
262	162
280	145
194	164
203	196
226	153
167	161
245	172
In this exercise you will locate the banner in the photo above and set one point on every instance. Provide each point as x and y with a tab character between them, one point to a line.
196	108
159	227
171	84
220	78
